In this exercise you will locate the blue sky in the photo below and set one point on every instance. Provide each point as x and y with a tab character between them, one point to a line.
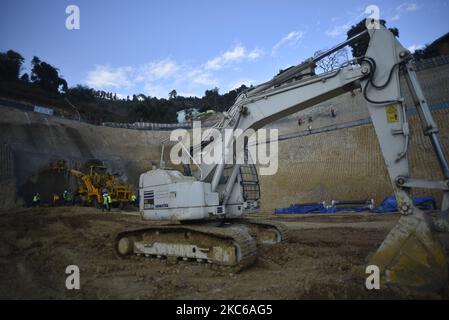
152	47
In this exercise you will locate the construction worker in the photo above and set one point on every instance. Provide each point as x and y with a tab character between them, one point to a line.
56	198
109	202
309	128
133	199
68	198
106	202
37	200
333	114
64	196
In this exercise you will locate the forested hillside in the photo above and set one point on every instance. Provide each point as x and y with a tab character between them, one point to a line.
44	86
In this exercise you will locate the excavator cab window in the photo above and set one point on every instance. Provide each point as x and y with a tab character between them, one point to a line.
249	182
98	169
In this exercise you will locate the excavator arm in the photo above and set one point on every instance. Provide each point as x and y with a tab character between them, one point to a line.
378	77
410	255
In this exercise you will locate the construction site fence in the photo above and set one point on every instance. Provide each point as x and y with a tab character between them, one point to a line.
148	125
431	62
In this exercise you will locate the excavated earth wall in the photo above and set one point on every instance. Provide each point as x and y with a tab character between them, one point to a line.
340	164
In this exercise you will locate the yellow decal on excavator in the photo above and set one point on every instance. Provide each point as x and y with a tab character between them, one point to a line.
392	113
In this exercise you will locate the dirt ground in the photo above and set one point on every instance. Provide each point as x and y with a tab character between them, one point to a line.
324	259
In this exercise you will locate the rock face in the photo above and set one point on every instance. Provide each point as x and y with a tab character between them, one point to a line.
30	142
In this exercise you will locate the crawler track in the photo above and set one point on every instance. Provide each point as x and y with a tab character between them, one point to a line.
259	229
230	247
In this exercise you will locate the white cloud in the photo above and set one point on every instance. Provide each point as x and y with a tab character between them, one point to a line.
415	47
158	77
341	29
156	90
255	54
238	83
121	96
156	70
200	76
237	54
290	39
214	64
395	17
404	8
189	78
188	94
103	77
338	30
407	7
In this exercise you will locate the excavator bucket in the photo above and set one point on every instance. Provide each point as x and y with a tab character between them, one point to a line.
411	256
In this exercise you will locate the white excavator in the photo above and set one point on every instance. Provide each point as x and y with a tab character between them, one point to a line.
212	203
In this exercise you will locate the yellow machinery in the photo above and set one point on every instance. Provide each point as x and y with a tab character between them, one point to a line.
95	183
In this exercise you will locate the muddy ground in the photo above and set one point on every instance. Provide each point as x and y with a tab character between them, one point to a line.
324	259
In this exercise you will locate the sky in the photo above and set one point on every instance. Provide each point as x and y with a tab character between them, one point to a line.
152	47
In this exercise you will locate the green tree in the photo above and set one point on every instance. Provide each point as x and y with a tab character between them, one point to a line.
25	78
172	94
10	65
425	53
211	99
81	93
47	77
141	97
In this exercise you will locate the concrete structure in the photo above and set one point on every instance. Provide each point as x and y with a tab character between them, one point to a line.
186	115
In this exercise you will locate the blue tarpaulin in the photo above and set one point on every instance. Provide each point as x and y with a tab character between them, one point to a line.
346	209
305	208
390	205
316	208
